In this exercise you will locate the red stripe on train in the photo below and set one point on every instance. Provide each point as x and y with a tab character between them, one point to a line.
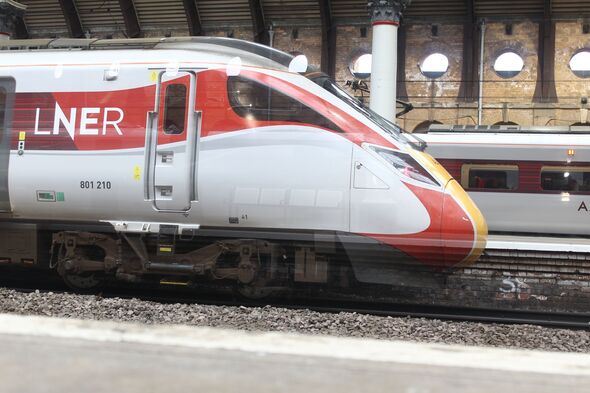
84	120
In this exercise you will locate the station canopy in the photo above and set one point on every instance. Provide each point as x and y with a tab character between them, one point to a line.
50	18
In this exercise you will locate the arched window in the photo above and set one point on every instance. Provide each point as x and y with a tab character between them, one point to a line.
423	127
508	64
434	65
580	63
360	66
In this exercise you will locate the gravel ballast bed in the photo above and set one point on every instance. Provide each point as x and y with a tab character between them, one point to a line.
288	320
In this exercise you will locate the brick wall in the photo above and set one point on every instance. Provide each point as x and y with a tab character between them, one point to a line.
306	40
504	99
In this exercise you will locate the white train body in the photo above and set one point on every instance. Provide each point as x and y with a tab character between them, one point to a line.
531	181
215	133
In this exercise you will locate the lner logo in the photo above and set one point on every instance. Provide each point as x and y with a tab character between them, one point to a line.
87	120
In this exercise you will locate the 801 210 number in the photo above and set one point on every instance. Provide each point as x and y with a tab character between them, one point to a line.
98	185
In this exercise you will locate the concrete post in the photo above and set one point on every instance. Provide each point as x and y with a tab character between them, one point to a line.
9	11
385	19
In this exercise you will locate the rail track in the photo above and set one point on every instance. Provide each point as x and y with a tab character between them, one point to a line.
332	303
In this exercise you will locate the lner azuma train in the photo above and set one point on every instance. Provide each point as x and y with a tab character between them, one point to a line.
526	180
210	158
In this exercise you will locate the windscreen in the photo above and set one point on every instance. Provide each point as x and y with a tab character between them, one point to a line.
393	130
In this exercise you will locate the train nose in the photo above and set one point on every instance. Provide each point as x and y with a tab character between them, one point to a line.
463	228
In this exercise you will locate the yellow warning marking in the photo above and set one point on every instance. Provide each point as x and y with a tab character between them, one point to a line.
171	282
154	76
165	249
22	135
137	173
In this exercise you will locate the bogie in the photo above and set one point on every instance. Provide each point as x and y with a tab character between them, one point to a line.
256	266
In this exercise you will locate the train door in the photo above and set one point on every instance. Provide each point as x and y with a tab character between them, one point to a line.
7	87
172	143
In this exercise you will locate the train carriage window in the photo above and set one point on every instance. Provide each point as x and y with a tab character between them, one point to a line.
175	109
565	178
253	100
489	177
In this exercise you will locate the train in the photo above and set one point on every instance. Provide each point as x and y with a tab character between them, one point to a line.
205	158
526	180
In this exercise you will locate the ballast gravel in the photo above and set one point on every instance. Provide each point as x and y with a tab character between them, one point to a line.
288	320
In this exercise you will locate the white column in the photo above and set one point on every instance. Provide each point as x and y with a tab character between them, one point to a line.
385	19
384	69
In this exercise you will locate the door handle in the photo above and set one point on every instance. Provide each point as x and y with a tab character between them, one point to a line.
166	157
164	192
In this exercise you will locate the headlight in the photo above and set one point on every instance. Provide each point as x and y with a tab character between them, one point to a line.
406	165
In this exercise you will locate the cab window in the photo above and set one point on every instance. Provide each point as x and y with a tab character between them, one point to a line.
489	177
565	178
253	100
175	109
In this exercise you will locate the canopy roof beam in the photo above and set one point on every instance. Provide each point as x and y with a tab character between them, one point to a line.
72	18
545	90
193	17
132	27
469	88
258	24
328	38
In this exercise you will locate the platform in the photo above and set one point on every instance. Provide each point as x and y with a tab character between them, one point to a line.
56	355
538	243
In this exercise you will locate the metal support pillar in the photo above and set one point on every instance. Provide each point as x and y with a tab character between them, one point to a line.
385	19
328	38
402	92
545	90
469	88
72	18
193	17
131	19
258	23
10	14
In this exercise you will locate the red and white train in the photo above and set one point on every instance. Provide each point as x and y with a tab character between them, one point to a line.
533	180
210	157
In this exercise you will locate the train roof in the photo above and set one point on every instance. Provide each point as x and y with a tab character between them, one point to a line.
249	52
507	129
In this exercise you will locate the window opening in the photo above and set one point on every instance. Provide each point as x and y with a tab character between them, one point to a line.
489	177
175	109
580	64
435	65
360	66
255	101
565	178
508	65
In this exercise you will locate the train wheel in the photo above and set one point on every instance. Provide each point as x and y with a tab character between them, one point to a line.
86	282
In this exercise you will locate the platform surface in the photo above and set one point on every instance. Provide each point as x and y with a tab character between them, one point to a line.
538	243
54	355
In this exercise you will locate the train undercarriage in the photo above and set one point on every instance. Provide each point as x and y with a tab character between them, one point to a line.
256	267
